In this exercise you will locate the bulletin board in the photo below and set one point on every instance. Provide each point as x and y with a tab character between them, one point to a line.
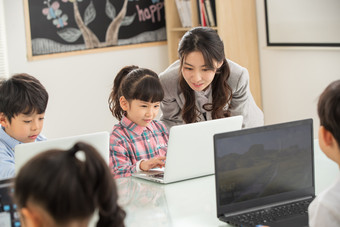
303	22
63	27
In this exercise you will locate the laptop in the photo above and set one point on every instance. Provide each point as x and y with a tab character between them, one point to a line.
261	172
190	151
25	151
9	216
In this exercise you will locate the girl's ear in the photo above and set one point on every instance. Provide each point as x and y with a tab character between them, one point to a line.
124	104
3	120
30	218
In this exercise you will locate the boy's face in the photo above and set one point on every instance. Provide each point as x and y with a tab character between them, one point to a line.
24	128
140	112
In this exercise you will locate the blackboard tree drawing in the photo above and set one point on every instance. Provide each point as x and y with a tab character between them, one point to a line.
67	25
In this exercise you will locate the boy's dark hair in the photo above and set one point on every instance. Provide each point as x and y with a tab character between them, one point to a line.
133	82
70	188
329	109
22	93
206	41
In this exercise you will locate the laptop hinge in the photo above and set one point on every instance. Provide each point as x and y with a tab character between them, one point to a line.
266	206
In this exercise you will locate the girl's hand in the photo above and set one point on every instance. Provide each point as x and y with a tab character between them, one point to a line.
146	165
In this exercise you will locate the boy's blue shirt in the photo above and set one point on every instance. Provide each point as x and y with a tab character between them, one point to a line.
7	161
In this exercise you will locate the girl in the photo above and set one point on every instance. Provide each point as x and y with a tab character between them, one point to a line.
204	85
65	188
138	142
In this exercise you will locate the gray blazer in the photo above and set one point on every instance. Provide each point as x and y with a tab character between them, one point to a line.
242	102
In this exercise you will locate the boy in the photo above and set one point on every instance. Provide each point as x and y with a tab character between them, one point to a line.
324	210
23	101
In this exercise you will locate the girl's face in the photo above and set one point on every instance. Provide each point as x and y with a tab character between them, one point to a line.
196	73
140	112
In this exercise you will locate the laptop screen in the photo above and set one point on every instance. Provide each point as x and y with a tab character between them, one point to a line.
26	151
269	164
8	210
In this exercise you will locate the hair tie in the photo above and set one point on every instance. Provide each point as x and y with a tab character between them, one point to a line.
77	153
80	155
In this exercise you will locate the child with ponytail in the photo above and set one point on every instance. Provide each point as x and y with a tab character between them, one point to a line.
65	188
137	142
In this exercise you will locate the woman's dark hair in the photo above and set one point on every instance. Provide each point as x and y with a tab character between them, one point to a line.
133	82
206	41
329	109
70	188
22	93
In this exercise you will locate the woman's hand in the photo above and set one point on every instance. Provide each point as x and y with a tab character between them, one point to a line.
146	165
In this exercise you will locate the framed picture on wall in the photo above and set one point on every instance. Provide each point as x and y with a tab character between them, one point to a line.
303	22
68	27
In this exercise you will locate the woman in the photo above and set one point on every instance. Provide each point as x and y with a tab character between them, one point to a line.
204	85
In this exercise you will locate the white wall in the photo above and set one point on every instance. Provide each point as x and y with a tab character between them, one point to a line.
3	46
78	86
293	78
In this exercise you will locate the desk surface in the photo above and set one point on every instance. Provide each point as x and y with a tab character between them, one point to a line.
191	202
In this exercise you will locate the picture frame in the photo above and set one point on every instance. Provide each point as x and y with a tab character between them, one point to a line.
56	28
302	23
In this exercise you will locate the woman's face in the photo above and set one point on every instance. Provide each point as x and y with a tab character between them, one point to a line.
196	73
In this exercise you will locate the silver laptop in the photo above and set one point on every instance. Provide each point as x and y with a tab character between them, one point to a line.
191	151
25	151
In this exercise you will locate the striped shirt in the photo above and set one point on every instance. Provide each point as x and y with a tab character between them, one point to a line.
7	156
130	143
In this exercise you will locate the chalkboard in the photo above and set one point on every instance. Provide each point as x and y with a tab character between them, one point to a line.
303	22
59	26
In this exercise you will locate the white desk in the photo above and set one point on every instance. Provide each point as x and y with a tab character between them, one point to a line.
191	202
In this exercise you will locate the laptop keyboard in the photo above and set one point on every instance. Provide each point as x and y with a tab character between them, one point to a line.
269	215
159	175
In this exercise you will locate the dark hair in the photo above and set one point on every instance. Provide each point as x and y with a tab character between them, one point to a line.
206	41
69	188
329	109
133	82
22	93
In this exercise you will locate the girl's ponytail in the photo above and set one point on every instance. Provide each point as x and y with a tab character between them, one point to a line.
100	184
113	101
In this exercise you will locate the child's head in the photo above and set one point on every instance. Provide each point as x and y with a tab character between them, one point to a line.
329	114
23	101
57	188
136	93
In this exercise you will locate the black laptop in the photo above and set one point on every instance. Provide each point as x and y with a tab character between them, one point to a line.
8	210
265	175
